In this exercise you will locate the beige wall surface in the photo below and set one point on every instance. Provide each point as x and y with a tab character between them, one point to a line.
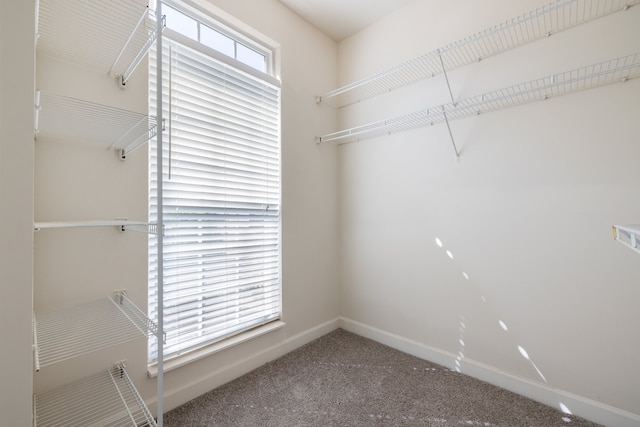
525	214
17	30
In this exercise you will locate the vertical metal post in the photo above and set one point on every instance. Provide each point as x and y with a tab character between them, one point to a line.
159	207
170	94
36	119
36	349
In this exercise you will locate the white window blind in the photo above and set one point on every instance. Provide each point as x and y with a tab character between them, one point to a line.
221	199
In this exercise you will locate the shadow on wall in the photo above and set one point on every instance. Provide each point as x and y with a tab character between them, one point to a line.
502	325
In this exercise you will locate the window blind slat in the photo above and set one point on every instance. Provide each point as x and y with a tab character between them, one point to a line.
222	204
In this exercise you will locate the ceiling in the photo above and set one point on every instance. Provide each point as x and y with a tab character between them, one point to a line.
341	18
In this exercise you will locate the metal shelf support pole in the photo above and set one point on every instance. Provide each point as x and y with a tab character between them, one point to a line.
160	238
36	349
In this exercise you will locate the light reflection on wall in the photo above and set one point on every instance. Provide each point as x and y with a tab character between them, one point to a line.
524	354
503	326
460	356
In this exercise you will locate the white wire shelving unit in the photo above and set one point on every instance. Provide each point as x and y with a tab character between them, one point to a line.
628	235
122	225
112	127
534	25
105	399
111	37
74	31
612	71
63	334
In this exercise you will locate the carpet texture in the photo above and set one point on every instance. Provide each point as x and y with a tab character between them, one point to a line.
343	379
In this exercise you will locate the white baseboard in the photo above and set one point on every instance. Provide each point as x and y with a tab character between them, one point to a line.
581	406
210	380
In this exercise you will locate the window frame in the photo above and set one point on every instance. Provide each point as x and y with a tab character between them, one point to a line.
269	77
212	20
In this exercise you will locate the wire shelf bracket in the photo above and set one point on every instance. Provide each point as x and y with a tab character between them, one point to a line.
628	235
453	102
608	72
141	52
528	27
453	142
446	77
67	333
105	399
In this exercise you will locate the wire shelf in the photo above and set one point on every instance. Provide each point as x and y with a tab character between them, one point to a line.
105	399
113	127
123	225
628	235
603	73
534	25
65	334
109	35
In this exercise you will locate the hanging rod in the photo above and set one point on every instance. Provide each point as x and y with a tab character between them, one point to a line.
85	328
603	73
628	235
121	224
114	127
108	398
109	35
534	25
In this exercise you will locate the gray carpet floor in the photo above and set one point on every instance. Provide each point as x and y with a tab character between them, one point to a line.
343	379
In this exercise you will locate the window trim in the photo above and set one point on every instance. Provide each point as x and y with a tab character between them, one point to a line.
270	51
206	50
213	348
218	20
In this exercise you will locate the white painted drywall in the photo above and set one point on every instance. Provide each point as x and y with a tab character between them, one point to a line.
525	214
17	30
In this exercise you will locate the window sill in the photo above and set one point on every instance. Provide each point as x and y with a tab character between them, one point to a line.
203	352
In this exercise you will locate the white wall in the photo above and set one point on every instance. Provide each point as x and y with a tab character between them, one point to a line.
16	209
526	213
80	181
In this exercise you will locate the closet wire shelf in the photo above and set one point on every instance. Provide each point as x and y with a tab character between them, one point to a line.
534	25
592	76
115	128
628	235
67	333
122	225
106	399
72	29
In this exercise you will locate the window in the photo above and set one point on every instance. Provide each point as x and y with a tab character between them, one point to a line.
221	187
216	39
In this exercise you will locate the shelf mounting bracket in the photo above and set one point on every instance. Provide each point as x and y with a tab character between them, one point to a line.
453	102
446	78
453	142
